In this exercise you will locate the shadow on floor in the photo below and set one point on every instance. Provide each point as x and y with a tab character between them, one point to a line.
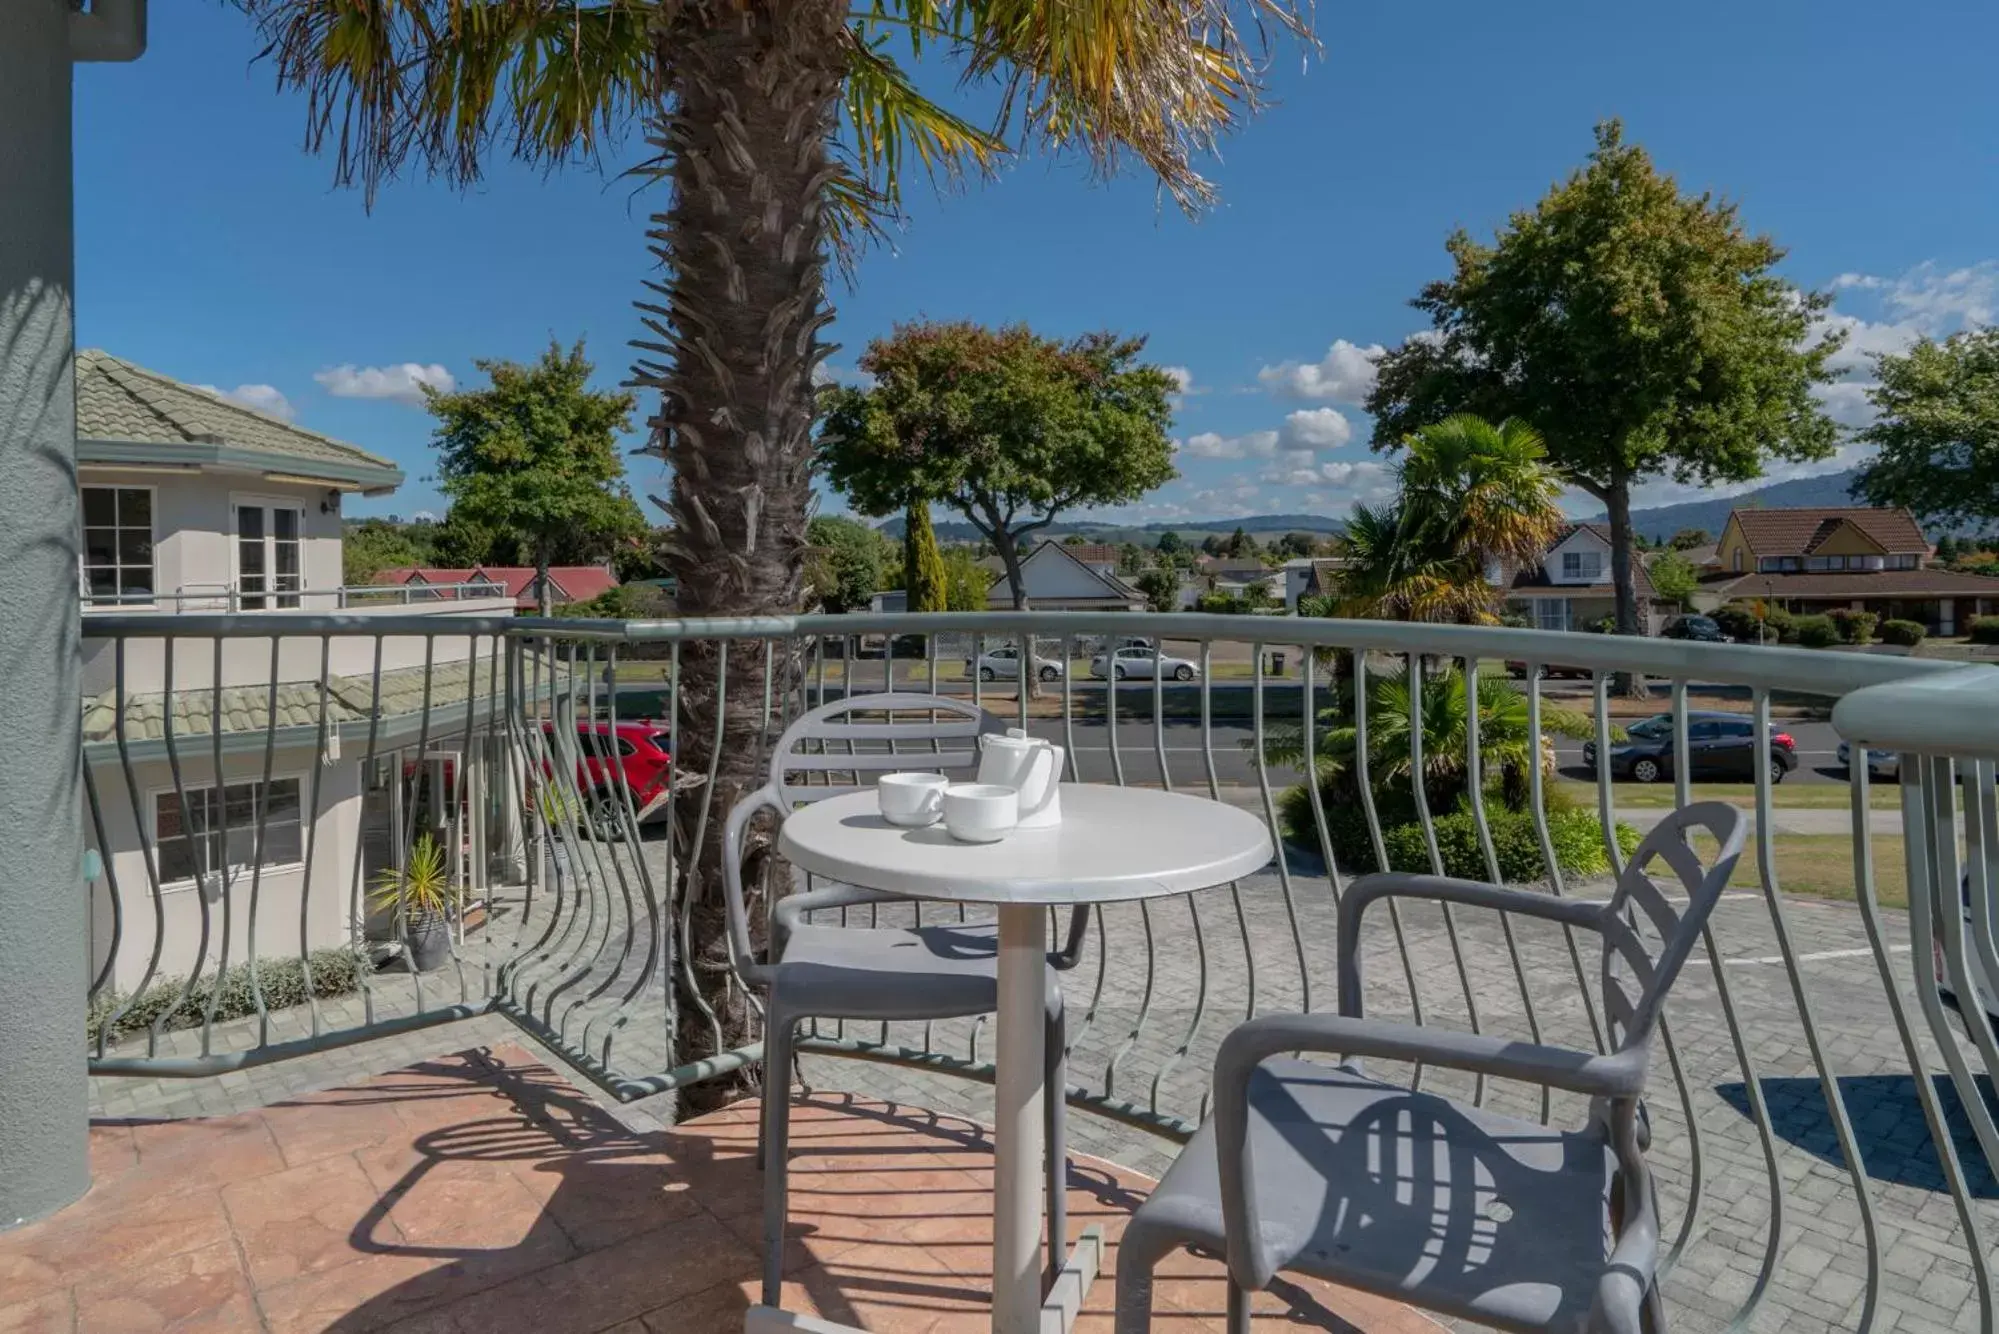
1888	1125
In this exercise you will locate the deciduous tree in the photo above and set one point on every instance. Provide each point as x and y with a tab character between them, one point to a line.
1641	330
1938	429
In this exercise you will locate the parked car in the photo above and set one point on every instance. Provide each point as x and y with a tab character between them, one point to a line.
1003	664
1880	763
632	756
1719	745
1700	629
1142	662
1549	670
1981	981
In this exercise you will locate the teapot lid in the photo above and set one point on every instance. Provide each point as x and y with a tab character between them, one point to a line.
1015	738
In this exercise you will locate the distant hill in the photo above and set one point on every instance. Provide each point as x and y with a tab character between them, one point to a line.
952	530
1661	523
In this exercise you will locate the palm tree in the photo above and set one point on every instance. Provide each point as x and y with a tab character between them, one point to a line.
1474	496
782	129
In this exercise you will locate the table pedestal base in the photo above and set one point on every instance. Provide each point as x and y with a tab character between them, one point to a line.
1059	1308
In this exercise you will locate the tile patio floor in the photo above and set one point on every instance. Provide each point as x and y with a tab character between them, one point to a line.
480	1192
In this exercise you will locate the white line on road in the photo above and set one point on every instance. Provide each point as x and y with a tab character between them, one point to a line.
1815	957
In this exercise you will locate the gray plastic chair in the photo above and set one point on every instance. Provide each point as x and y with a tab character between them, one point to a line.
822	971
1317	1169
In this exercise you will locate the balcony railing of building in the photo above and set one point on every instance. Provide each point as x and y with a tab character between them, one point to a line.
1824	1099
235	597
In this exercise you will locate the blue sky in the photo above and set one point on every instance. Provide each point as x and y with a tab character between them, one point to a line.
1864	137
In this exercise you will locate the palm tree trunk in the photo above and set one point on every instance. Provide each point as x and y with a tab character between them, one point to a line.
744	124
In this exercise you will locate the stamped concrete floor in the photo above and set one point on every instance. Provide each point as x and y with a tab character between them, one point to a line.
480	1192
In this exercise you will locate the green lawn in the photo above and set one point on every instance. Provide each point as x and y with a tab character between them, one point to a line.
1821	865
1789	796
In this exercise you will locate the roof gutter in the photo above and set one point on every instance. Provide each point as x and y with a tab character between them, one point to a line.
112	30
369	479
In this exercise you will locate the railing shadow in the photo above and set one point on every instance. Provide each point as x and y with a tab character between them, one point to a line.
1894	1139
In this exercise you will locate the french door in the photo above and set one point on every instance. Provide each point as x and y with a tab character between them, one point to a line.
268	555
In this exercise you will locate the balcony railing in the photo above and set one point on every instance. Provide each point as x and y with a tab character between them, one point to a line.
1823	1106
233	597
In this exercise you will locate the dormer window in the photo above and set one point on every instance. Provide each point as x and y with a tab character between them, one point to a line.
1582	566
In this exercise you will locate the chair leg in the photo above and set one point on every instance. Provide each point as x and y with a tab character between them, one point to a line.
1053	1109
781	1082
776	1122
1139	1252
1238	1308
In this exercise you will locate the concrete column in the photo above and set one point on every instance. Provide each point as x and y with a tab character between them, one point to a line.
44	906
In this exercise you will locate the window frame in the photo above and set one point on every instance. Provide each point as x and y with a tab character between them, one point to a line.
272	597
230	872
1579	574
83	565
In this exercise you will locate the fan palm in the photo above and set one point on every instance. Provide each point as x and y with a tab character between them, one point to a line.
1473	496
784	130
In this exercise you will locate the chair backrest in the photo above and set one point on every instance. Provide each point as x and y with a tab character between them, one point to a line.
1646	939
840	747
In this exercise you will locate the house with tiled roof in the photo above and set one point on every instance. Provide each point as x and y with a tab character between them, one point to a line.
1571	588
1817	559
189	502
1057	581
566	583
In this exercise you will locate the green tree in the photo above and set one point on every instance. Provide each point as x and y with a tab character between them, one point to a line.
784	135
1946	550
1689	538
1472	495
373	545
844	563
1130	558
1170	542
1004	426
1161	588
965	580
1937	429
923	563
1643	332
1674	578
535	455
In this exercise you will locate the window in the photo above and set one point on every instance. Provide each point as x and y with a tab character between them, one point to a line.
1551	613
1770	564
220	833
1905	561
117	545
1581	564
267	556
1738	560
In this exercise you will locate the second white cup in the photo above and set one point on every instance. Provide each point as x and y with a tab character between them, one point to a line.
912	800
980	812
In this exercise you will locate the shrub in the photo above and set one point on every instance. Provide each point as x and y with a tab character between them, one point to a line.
1576	835
1907	634
1855	627
1736	621
1984	630
335	972
1816	631
1739	620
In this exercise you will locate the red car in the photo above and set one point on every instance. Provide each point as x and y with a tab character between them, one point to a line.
631	755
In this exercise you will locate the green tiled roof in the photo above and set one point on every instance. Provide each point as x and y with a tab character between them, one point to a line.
119	403
349	699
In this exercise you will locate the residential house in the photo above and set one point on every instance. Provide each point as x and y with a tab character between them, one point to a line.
1311	577
1058	580
1239	574
567	583
1818	559
1571	589
191	503
1099	556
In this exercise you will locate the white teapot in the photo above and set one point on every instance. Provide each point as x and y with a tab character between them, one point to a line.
1030	766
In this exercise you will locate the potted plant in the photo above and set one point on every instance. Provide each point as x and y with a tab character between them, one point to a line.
420	891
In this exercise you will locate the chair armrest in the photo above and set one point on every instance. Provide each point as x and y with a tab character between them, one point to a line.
1367	889
1250	1256
788	914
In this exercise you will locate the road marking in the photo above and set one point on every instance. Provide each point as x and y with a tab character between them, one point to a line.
1815	957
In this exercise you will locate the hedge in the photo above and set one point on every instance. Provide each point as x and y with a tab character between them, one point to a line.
1984	630
1907	634
1855	627
1576	834
335	972
1816	631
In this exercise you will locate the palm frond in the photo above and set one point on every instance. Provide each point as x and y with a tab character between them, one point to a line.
889	122
439	83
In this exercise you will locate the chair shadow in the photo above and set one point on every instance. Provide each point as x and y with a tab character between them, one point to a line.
1889	1128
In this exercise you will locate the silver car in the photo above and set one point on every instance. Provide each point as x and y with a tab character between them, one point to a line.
1003	664
1880	763
1142	664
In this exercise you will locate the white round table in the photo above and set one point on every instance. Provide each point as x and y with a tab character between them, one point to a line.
1114	843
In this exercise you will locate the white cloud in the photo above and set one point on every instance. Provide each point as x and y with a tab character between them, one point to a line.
265	398
1345	374
1182	377
826	373
1317	428
1210	445
401	383
1927	301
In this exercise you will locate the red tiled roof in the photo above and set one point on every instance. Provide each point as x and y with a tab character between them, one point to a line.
1796	532
1092	553
572	583
1855	584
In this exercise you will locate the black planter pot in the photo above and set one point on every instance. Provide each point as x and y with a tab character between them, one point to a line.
428	942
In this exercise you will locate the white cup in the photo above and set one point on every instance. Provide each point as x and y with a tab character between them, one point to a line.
980	812
912	800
